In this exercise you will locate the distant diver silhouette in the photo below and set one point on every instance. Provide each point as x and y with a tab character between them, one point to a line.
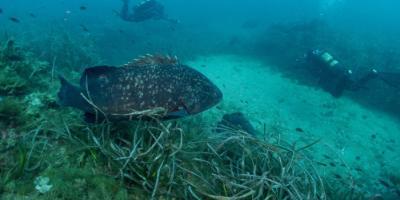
145	10
333	77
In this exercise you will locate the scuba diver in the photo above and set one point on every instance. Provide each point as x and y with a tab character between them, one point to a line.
333	77
145	10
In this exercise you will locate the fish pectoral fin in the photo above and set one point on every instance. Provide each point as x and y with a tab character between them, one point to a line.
179	112
89	117
92	118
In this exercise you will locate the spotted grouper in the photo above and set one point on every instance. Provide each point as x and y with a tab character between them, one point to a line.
147	84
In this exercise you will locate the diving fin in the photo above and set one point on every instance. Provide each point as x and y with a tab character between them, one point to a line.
390	78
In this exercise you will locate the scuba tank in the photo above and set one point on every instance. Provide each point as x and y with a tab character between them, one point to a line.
328	59
331	75
324	58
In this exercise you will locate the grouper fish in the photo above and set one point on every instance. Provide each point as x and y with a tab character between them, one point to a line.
145	84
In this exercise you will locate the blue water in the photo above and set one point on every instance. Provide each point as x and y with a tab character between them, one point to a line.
204	25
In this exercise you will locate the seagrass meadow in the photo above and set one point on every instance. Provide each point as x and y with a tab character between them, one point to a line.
142	159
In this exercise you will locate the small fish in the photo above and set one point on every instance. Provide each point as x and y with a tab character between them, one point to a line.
84	28
384	183
327	157
300	130
337	176
148	83
116	13
32	15
332	164
14	19
321	163
358	169
244	101
82	8
390	148
1	11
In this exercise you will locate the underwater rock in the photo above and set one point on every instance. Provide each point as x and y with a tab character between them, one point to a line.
236	121
157	85
11	112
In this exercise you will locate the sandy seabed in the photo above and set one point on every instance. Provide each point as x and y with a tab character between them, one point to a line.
355	143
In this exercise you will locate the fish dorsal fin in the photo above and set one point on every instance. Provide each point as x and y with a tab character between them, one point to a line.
151	60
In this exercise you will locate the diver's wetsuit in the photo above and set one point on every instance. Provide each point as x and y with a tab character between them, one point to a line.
147	9
336	79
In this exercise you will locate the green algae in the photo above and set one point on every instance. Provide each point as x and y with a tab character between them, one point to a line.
20	72
11	112
67	55
84	183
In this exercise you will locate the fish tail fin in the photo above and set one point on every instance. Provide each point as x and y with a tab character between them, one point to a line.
391	79
70	95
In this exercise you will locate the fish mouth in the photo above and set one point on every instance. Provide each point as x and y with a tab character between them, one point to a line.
216	99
